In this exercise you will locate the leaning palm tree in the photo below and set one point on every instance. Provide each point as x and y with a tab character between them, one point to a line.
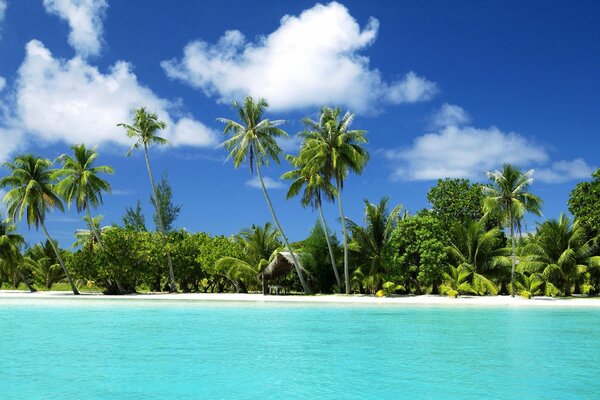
253	139
144	129
10	254
32	193
560	252
315	187
81	182
371	241
507	197
332	148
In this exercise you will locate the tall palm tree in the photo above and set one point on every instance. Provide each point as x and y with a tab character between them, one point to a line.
507	197
144	129
332	148
371	241
559	251
81	183
315	187
10	254
32	193
253	139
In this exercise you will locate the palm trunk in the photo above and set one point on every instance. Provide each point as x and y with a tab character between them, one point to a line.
331	256
22	278
60	260
287	245
514	257
345	234
97	236
173	287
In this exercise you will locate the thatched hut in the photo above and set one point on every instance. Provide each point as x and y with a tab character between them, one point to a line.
280	266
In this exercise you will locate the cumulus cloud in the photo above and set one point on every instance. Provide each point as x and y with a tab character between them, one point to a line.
3	6
269	183
72	101
564	171
450	115
85	20
310	60
463	152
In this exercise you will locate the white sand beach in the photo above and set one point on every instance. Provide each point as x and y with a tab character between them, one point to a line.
424	300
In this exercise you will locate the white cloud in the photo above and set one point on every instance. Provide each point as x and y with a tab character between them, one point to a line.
2	83
463	152
310	60
290	144
564	171
72	101
85	20
450	115
269	183
3	7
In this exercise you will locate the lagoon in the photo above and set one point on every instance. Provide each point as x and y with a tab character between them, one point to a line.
117	349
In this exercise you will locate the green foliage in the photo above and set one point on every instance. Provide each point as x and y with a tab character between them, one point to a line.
584	204
44	265
168	210
316	259
418	251
456	200
134	219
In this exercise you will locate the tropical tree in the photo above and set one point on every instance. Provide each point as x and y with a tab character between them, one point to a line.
508	198
371	241
10	254
333	149
559	250
258	244
584	204
144	129
315	188
479	251
134	219
81	183
253	139
456	280
90	236
44	265
32	193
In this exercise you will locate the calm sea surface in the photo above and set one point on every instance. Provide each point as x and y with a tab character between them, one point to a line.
119	349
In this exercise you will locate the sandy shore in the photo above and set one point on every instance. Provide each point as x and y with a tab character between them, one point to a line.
425	300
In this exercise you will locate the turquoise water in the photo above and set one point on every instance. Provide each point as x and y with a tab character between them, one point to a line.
127	350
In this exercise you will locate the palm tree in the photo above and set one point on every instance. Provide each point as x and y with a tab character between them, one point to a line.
253	139
259	245
371	241
43	263
92	234
315	186
10	255
144	129
559	251
333	149
32	193
81	183
478	251
507	197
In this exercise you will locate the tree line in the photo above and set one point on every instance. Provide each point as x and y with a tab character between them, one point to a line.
470	241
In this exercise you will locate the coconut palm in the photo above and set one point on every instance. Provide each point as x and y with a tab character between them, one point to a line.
42	261
507	197
32	193
559	250
456	280
144	129
530	285
371	241
253	139
81	182
315	188
479	251
10	254
259	244
332	148
92	235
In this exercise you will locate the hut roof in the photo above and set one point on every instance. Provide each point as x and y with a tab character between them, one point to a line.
280	266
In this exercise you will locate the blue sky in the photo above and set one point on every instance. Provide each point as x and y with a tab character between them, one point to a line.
444	89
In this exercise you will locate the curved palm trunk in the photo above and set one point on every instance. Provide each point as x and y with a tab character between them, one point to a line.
331	256
514	257
22	278
161	227
97	236
287	245
60	260
346	270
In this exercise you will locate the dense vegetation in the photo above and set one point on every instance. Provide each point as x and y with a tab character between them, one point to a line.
470	241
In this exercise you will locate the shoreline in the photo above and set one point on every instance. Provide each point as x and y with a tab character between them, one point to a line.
333	299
